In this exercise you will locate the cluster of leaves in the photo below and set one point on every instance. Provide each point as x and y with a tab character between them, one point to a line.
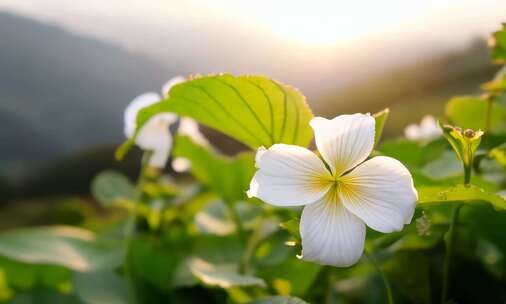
200	239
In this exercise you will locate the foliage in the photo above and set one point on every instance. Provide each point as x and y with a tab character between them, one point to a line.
196	237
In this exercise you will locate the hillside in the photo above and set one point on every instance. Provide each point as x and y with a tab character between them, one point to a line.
61	92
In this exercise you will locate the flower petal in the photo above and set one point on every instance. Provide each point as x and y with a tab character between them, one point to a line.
380	191
344	141
130	116
181	164
169	84
190	128
159	157
331	235
289	176
155	136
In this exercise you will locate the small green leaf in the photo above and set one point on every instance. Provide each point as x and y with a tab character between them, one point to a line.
254	110
467	194
499	154
110	186
279	300
498	45
470	112
229	177
223	276
380	118
73	248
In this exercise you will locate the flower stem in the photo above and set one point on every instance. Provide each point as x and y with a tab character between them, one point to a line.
386	283
449	252
130	228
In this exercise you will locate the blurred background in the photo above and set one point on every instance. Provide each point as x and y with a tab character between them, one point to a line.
69	68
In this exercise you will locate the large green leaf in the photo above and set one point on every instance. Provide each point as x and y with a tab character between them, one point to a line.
229	177
279	300
254	110
73	248
467	194
469	112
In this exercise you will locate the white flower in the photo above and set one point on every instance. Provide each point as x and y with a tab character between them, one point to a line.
154	135
343	192
427	130
188	127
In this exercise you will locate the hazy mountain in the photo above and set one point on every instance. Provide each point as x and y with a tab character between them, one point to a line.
60	92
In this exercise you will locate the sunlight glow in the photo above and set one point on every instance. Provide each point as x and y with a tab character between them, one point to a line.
323	22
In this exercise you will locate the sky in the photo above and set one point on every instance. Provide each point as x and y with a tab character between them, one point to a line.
289	40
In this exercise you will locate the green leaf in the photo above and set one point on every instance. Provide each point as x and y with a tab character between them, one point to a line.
110	186
103	286
157	262
223	276
467	194
498	44
279	300
499	154
73	248
380	118
229	177
254	110
23	276
469	112
412	153
446	166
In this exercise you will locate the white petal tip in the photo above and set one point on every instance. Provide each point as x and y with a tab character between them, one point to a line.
334	263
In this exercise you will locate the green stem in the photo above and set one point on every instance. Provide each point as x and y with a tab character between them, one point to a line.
467	174
449	252
386	283
130	230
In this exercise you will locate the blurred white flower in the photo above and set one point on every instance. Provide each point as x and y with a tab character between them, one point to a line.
343	192
188	127
154	135
181	164
427	130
